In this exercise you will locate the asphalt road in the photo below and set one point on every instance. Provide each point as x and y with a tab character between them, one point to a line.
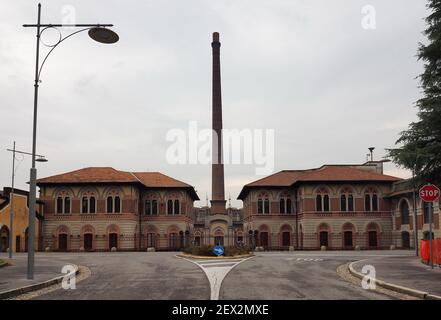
160	275
150	276
296	276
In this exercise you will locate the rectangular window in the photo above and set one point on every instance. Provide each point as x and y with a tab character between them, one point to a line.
318	203
67	205
147	207
266	207
374	202
367	202
92	205
154	207
170	207
117	204
350	203
59	205
325	202
259	206
84	205
343	202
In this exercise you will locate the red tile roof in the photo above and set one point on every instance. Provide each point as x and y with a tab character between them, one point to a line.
157	179
111	175
90	175
334	173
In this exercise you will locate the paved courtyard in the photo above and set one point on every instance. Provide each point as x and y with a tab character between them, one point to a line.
161	275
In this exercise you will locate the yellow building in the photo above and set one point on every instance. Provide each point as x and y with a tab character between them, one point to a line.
20	222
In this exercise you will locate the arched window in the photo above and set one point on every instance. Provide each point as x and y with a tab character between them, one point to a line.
92	205
177	208
346	200
263	203
370	200
109	204
259	205
282	205
66	205
59	205
404	212
318	202
322	200
170	207
343	202
84	205
285	204
117	204
326	202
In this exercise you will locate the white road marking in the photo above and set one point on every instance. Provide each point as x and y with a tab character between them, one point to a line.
216	270
305	259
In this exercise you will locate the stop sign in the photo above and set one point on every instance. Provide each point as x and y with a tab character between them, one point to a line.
429	193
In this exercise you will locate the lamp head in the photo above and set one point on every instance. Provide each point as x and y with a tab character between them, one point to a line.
103	35
41	159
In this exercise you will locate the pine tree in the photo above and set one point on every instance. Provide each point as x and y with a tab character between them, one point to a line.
420	144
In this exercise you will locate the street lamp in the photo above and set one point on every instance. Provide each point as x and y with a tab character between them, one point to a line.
97	32
11	194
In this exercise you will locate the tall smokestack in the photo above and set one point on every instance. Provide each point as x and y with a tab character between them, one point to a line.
217	168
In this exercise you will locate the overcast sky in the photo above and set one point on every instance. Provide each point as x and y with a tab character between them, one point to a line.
307	69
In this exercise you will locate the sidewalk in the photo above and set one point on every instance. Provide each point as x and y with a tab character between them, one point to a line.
405	271
15	276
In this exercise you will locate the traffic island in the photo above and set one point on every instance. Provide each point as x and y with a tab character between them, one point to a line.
3	263
8	294
192	256
402	275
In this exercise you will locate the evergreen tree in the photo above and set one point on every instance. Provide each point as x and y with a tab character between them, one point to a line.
420	144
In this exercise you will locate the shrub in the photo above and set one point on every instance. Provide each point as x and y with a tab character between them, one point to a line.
236	250
207	250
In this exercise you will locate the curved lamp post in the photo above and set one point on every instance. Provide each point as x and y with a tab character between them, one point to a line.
97	32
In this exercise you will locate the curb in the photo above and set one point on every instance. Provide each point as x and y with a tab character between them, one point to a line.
395	287
190	256
33	287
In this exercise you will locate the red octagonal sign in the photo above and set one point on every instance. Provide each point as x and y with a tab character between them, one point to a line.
429	193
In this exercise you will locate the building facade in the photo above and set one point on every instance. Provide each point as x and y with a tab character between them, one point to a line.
19	232
97	209
335	206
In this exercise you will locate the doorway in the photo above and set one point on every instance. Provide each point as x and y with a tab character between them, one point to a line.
88	240
62	242
113	240
324	239
348	243
372	235
286	239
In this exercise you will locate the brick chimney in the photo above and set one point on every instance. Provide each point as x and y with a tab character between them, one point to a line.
218	201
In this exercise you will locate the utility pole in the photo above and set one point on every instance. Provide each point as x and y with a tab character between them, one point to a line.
11	211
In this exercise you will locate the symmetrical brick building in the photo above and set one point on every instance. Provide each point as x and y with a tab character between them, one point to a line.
100	208
336	206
